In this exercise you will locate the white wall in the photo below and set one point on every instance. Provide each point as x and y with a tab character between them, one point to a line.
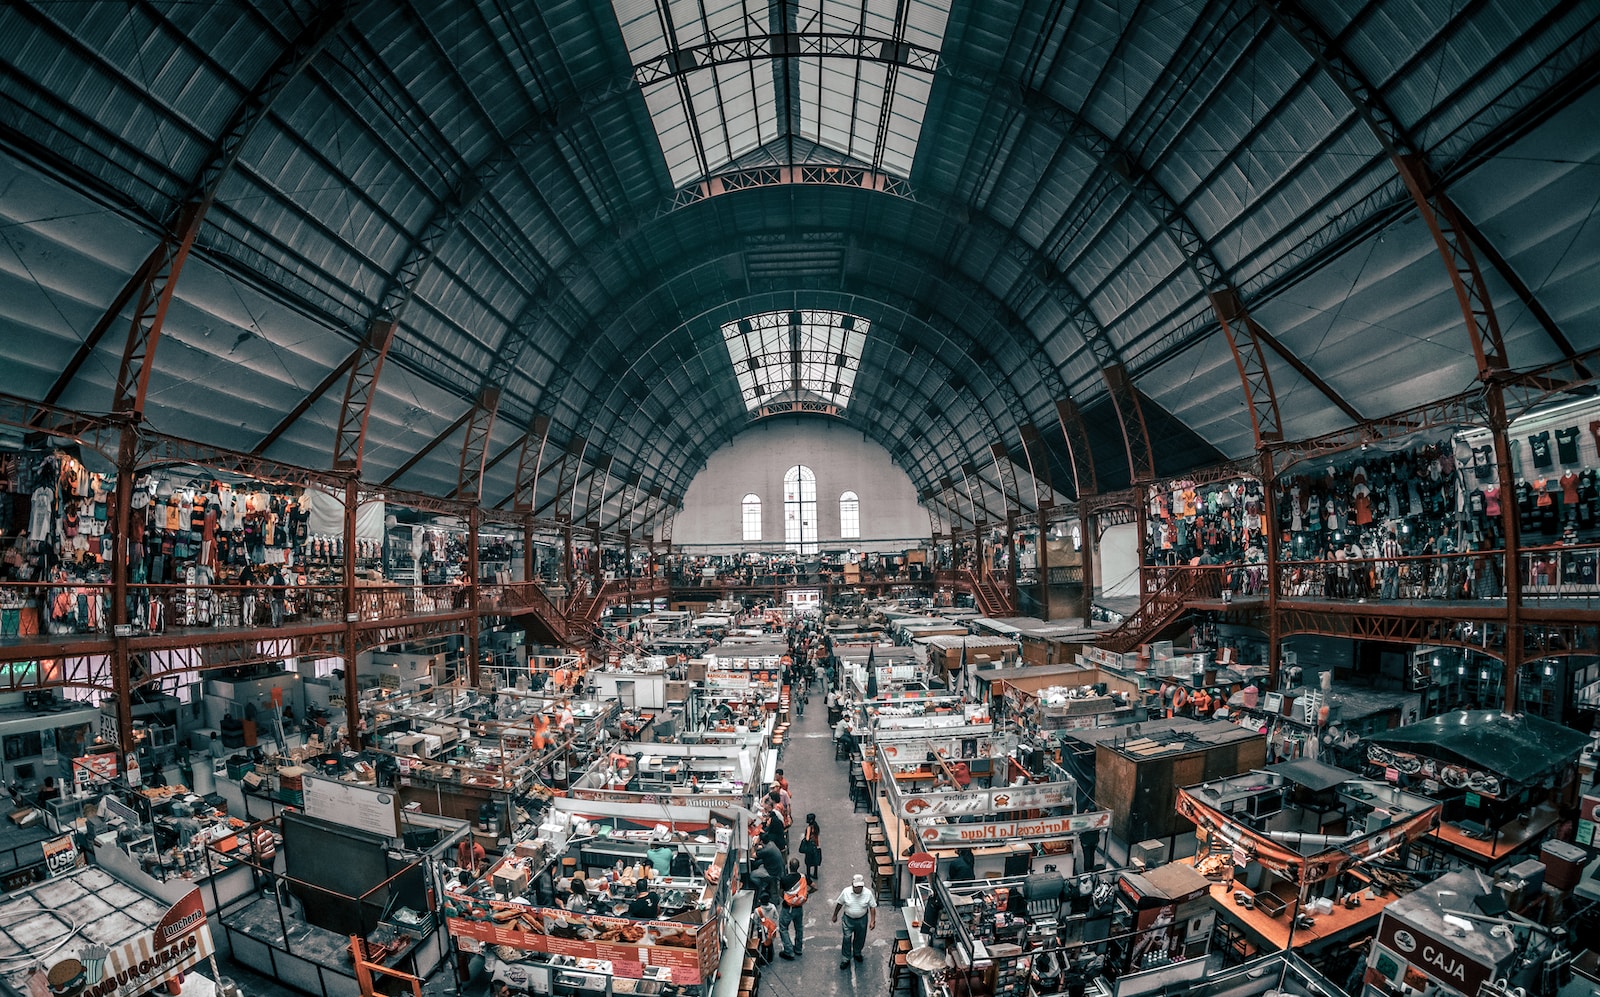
841	459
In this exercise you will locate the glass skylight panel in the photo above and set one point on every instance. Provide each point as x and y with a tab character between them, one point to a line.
795	354
728	106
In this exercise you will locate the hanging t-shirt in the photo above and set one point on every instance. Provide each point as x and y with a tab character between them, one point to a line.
1491	501
1569	488
1483	461
1567	445
43	508
1539	445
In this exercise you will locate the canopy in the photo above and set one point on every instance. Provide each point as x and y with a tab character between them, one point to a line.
1520	748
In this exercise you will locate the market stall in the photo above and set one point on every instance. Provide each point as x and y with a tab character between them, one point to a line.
1500	779
362	869
166	842
1288	851
533	945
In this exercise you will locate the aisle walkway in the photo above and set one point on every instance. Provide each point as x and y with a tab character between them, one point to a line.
820	785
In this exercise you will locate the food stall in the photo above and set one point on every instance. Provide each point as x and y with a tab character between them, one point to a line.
84	933
169	841
1288	852
354	865
709	775
1064	698
1010	804
1501	779
531	946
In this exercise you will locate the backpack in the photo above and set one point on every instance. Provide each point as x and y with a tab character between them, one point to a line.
795	895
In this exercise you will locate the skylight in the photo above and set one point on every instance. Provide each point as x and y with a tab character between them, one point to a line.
796	356
724	78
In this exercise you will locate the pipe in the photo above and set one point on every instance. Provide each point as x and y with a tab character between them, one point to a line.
1301	838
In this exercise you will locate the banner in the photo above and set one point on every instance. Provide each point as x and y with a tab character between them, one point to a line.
89	769
1034	796
691	951
1292	865
1014	830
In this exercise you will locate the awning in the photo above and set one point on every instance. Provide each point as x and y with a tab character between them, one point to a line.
1520	748
1312	774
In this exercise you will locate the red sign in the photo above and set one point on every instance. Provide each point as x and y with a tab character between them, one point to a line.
921	864
691	951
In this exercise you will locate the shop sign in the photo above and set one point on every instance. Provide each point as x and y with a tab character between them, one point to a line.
1445	963
61	856
690	951
1014	830
94	768
921	864
1588	817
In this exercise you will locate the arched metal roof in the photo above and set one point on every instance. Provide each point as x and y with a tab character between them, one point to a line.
547	210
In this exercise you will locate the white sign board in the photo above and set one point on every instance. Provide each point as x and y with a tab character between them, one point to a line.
352	805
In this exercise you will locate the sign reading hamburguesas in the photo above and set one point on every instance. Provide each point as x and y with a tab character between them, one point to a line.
181	940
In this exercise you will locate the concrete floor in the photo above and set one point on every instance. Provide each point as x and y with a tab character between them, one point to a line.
818	785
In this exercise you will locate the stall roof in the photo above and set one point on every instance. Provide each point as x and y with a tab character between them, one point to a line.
1172	881
1166	737
1032	626
1520	747
974	645
1312	774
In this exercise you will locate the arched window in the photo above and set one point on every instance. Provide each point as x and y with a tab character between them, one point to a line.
849	516
752	516
800	509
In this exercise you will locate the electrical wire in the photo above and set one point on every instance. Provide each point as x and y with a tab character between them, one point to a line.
40	957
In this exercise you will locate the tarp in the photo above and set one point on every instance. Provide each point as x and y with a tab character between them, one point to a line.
1312	774
326	515
1520	748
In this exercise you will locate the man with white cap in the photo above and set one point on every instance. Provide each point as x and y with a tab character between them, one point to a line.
860	909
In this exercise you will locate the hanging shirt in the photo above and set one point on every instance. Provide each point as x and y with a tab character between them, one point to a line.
1483	461
1567	445
43	507
1539	445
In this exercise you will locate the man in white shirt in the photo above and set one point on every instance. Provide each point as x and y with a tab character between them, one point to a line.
860	909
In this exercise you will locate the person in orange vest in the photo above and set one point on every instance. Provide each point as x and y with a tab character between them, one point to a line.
766	931
470	855
541	732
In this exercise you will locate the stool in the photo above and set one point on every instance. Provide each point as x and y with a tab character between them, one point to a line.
883	882
841	751
900	974
568	864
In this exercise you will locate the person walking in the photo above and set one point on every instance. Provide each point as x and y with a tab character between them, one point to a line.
859	906
811	848
791	913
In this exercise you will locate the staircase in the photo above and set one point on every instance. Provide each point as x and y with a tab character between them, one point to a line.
1163	603
992	599
529	599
